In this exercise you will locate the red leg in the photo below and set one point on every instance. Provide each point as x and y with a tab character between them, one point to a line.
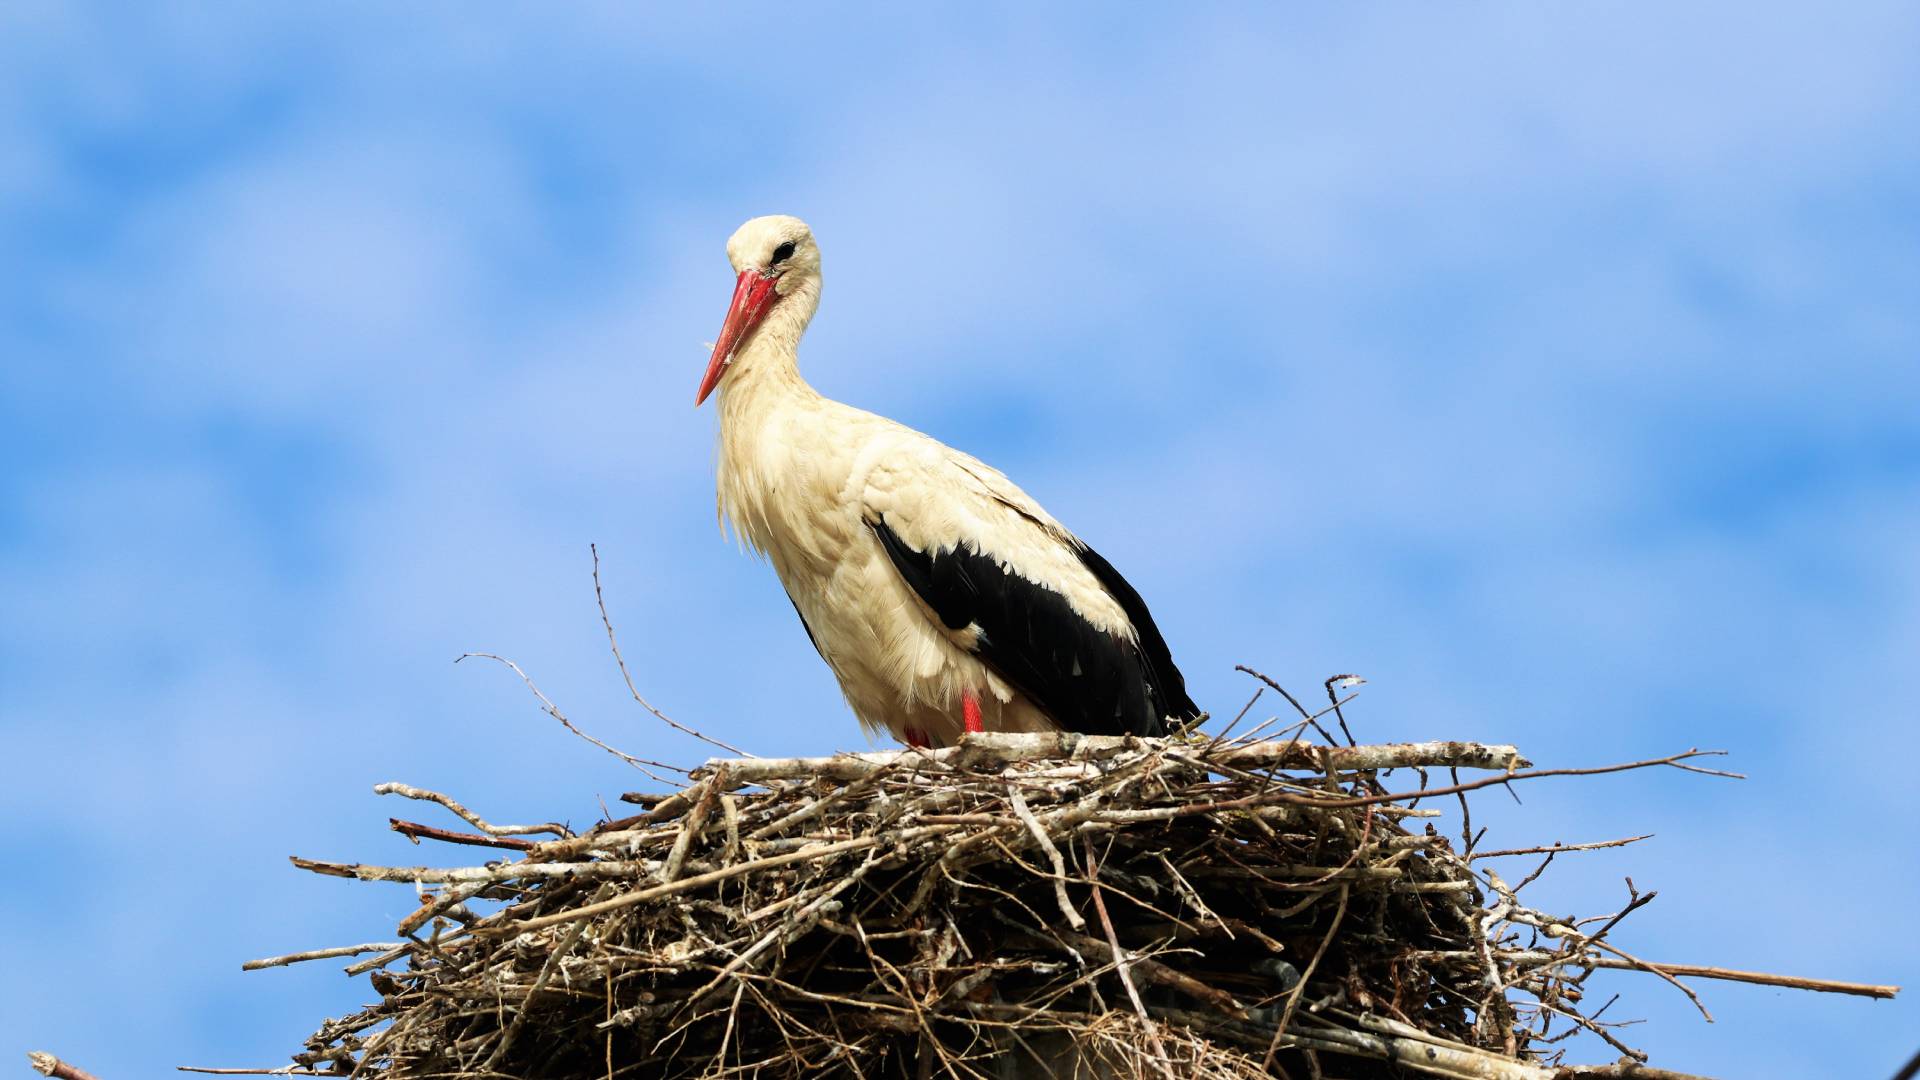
970	712
917	739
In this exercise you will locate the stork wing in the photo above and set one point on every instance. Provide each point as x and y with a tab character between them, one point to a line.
1043	610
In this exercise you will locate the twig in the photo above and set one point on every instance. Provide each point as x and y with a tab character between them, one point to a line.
1159	974
1122	965
1237	717
1530	878
693	826
1318	802
413	831
466	815
1003	749
449	899
1310	718
467	875
1674	760
553	961
381	960
798	918
1344	870
47	1065
281	1071
1667	976
547	706
1039	834
641	896
1624	1070
1555	849
1300	988
1686	971
1635	901
322	954
1466	815
1343	682
607	621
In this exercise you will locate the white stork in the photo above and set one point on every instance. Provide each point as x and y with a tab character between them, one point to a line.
943	598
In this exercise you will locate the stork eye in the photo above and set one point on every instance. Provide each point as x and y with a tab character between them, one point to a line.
782	253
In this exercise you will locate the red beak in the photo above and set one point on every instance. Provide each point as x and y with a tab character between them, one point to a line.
752	296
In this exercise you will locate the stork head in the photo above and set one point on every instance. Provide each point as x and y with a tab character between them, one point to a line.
775	258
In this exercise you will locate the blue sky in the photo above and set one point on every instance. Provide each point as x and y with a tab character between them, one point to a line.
1552	366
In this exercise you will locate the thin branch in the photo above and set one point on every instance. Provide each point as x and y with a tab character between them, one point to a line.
641	896
1635	901
466	815
1300	988
1674	760
547	705
1040	837
694	824
1237	717
1343	682
1685	971
553	961
607	621
1621	1071
1064	747
1466	815
1555	849
1310	718
47	1065
1668	976
413	831
281	1071
1122	964
322	954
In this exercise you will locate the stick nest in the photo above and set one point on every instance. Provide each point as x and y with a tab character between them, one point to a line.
1019	905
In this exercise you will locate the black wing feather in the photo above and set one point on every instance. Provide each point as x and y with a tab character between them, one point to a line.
1086	679
1168	683
814	641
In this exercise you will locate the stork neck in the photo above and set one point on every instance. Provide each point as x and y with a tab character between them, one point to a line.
767	366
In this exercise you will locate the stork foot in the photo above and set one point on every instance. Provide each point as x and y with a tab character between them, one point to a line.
970	712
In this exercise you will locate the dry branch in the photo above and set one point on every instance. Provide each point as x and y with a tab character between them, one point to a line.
613	643
409	792
47	1065
1524	958
1005	749
322	954
415	831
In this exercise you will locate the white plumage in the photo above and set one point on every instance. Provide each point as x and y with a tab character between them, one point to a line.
812	484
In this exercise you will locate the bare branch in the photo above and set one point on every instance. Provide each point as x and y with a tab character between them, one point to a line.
1020	807
322	954
1000	749
47	1065
614	643
466	815
1533	957
1555	849
413	831
547	706
1123	964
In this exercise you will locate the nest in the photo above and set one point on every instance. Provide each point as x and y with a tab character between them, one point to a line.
1019	905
